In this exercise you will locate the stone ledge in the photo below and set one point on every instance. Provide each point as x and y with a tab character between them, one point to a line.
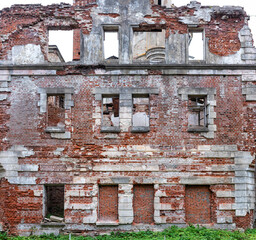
101	223
112	129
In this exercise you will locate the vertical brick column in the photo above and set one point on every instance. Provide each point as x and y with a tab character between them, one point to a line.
76	44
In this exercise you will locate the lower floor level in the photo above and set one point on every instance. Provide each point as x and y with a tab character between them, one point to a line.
119	206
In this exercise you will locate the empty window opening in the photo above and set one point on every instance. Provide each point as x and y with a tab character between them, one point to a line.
60	46
108	203
143	203
196	46
160	2
149	45
111	44
56	110
110	109
198	114
140	115
54	201
198	204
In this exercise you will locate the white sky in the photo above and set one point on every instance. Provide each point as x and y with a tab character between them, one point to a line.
249	6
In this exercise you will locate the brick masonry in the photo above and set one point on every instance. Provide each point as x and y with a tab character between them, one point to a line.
143	204
108	175
198	204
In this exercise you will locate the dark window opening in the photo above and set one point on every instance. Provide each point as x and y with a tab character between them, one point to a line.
56	110
160	2
110	105
198	113
54	201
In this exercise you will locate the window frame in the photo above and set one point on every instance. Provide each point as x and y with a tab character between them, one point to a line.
196	30
111	28
68	103
199	109
106	129
141	129
210	94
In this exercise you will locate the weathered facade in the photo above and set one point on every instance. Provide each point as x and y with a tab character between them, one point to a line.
145	139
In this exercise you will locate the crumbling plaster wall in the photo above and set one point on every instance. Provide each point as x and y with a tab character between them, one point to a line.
167	156
29	35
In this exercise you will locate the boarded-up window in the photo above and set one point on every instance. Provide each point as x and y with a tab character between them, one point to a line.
56	110
198	204
143	203
54	201
108	203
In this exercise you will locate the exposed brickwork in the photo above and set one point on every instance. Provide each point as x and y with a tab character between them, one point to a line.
19	204
108	203
198	204
76	44
124	177
143	203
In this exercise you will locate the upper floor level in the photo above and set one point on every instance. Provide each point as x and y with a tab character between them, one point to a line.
128	32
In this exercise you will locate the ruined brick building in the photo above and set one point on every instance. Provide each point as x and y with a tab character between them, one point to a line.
147	138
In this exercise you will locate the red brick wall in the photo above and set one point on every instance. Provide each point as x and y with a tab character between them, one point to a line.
76	44
143	203
18	204
108	203
198	204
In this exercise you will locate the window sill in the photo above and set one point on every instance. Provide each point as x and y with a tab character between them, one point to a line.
110	129
53	224
101	223
199	129
140	129
55	130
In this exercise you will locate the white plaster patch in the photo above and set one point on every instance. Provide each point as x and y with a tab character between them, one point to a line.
27	54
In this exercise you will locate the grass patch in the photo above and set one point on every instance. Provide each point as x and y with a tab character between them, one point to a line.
173	233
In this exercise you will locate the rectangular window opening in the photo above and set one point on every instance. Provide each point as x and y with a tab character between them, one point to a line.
108	203
56	110
61	47
111	44
140	113
54	200
197	113
110	111
149	45
196	45
160	2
